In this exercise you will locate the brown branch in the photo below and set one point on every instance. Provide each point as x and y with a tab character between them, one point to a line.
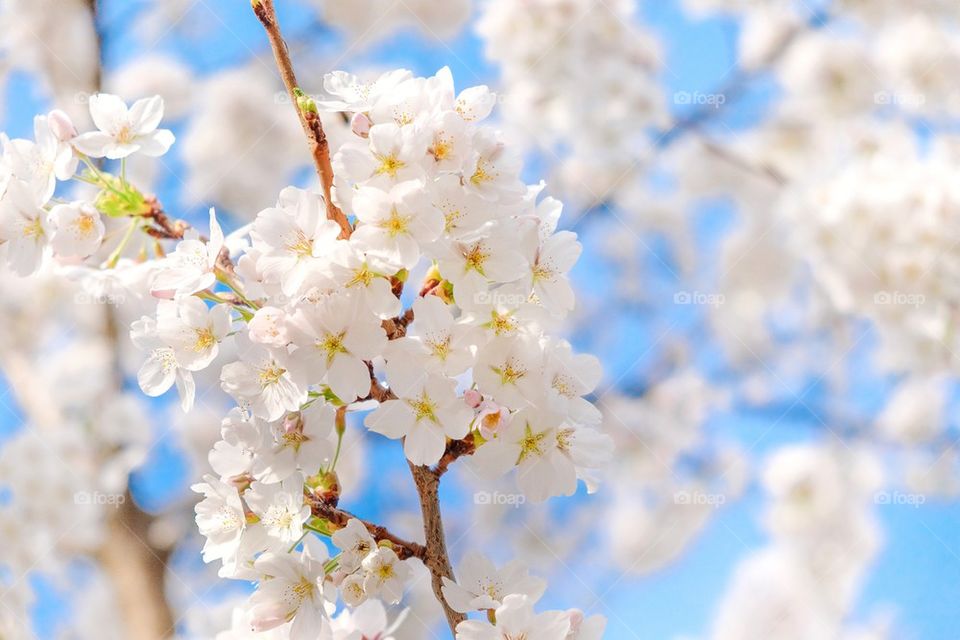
306	111
455	449
397	327
437	559
339	518
427	481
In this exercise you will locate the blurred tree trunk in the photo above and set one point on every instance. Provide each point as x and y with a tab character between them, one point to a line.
137	570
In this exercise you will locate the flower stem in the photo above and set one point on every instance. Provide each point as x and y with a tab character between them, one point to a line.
115	255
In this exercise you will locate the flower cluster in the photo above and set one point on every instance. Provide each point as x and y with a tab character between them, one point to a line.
33	223
309	312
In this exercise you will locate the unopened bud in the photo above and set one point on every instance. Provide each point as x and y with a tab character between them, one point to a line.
326	486
61	125
340	421
473	398
360	124
304	102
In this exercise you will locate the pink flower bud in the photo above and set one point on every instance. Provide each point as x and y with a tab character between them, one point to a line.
575	616
360	124
473	398
61	125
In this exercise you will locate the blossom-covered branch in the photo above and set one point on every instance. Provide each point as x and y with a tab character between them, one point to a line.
306	111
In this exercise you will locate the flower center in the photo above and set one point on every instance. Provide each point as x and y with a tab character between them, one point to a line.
476	257
302	246
332	345
480	174
390	165
362	276
33	229
271	375
442	147
205	339
424	408
125	135
396	224
509	373
84	224
531	444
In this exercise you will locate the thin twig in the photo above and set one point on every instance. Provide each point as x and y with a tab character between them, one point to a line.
309	118
339	518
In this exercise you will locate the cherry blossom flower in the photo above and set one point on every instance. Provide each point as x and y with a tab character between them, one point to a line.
23	227
480	585
301	440
386	575
355	543
192	265
291	590
261	379
122	130
425	414
396	223
195	332
280	508
515	618
439	342
161	369
366	620
509	369
290	238
77	229
334	337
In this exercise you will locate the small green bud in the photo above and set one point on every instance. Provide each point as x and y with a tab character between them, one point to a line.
305	103
121	200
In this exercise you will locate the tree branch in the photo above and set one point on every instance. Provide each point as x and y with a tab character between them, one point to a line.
437	559
309	118
339	518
